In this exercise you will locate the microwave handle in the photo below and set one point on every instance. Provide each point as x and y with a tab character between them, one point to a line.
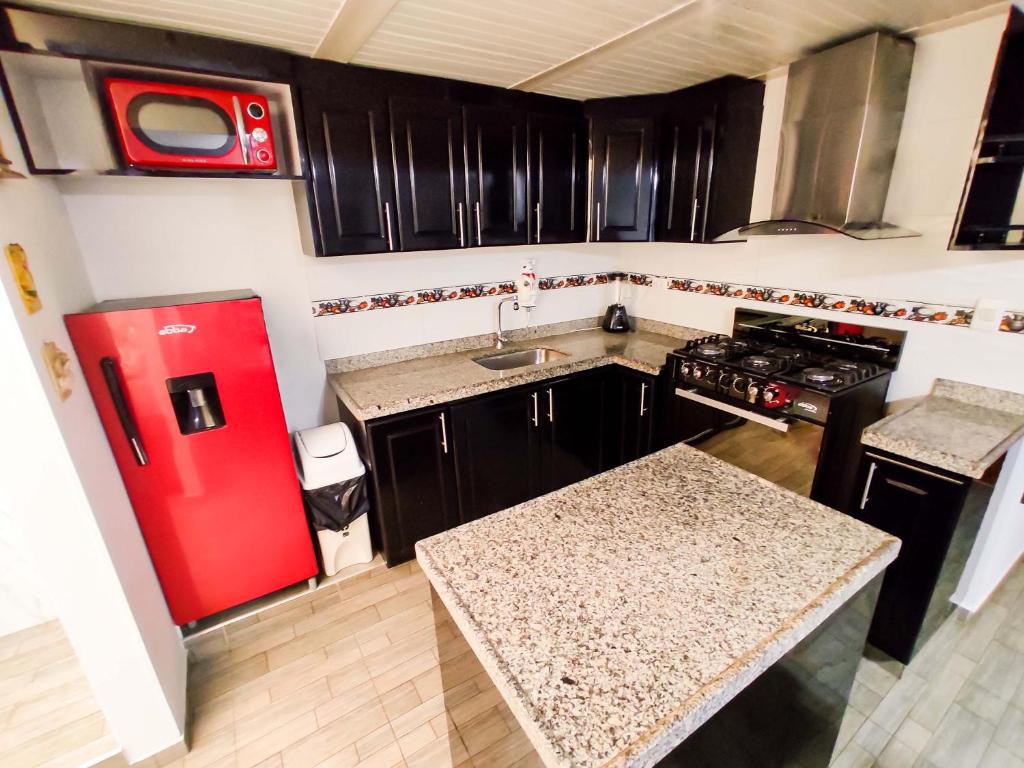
243	139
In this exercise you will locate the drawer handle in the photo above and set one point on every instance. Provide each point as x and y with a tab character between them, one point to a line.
444	434
867	485
551	405
536	411
643	392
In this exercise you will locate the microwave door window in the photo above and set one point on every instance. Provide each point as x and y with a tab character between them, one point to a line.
181	125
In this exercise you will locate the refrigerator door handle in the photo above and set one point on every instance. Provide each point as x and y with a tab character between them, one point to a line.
131	431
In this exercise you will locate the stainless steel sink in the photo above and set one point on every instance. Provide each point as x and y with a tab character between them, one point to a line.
521	358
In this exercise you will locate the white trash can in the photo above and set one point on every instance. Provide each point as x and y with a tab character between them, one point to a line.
334	489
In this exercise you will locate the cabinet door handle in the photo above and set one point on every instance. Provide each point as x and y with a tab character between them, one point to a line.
597	224
462	228
912	468
707	188
479	227
536	411
906	487
694	202
643	393
537	208
387	221
867	485
444	434
551	405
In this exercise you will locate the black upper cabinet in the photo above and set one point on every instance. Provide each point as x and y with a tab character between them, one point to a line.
710	135
497	445
496	175
624	153
688	134
429	173
557	178
414	480
353	203
989	216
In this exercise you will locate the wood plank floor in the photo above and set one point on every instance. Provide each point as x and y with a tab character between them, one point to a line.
369	674
48	716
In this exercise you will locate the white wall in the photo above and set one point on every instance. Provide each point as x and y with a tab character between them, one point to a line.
951	73
154	236
58	475
23	599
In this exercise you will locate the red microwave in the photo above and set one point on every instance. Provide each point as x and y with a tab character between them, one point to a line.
164	125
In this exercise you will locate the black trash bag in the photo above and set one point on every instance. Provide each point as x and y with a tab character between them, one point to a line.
338	505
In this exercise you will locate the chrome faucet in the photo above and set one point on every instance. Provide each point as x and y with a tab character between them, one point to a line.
502	340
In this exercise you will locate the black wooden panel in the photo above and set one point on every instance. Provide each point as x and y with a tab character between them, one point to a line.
496	153
430	173
557	179
414	478
498	439
576	412
623	177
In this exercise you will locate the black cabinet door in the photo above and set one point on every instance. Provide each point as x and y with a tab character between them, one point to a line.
497	445
414	480
575	411
682	213
681	420
351	177
733	158
922	509
557	166
429	173
634	412
496	174
623	177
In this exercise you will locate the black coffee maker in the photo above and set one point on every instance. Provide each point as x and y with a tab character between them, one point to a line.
615	318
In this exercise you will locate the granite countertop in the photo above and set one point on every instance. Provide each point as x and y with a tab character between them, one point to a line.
393	388
619	614
962	428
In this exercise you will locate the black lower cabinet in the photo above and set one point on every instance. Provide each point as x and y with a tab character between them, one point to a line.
436	468
575	412
413	468
936	515
632	416
498	451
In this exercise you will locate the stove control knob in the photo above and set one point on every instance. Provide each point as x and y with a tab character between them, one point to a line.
740	384
773	395
686	370
699	371
753	392
726	380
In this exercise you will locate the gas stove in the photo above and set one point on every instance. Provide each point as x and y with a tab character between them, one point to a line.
783	363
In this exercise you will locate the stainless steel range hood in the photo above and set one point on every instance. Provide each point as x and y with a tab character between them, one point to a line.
841	124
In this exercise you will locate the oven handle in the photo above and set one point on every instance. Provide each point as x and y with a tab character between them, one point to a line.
780	425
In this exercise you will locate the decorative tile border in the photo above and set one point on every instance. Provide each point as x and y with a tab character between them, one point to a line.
369	302
916	311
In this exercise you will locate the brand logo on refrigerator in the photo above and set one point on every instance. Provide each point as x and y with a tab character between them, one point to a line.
171	330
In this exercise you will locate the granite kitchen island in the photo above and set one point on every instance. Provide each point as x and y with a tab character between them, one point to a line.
674	609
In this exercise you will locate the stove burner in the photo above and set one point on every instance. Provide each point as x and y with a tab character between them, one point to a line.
787	353
821	376
711	350
758	361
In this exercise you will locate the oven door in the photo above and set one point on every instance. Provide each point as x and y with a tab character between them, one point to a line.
782	450
164	127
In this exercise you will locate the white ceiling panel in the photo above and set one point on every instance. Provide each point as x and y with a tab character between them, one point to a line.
573	48
294	25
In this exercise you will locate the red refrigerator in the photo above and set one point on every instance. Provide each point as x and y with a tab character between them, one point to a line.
186	390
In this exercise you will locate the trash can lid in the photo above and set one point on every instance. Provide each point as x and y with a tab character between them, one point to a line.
324	442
